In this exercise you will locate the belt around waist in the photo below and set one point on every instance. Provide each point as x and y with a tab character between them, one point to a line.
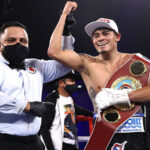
23	139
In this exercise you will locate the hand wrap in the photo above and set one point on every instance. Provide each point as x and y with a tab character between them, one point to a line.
108	97
69	24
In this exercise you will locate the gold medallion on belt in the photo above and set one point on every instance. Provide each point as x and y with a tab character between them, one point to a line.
137	68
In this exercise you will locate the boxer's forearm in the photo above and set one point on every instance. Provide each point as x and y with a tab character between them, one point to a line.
56	38
140	95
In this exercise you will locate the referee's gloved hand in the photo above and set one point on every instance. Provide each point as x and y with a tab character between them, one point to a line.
69	24
38	108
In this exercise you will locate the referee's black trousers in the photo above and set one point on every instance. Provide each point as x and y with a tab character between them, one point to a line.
10	142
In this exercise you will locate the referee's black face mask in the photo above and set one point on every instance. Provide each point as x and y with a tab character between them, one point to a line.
15	53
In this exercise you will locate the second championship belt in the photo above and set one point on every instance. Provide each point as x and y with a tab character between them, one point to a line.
132	75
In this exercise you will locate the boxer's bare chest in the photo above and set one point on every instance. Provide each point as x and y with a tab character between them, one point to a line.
97	73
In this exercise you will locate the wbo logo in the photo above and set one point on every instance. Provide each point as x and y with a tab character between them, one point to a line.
118	146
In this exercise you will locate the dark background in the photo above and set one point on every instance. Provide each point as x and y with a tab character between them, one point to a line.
41	16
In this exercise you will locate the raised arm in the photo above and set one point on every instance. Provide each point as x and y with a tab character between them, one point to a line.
67	57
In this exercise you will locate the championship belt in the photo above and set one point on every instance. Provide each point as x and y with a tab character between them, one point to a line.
132	75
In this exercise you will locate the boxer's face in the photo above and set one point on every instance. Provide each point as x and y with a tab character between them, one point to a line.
105	40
